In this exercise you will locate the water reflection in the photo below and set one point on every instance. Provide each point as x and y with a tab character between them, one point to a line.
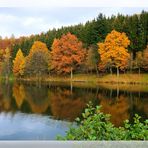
19	94
66	102
118	108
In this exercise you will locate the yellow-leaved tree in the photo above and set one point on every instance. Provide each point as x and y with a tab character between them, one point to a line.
19	64
38	59
113	51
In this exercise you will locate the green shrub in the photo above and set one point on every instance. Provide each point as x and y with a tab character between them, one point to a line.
96	125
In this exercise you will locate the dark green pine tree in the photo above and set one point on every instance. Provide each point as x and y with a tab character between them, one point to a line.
118	23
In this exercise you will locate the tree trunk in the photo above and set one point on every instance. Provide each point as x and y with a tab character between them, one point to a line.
6	78
118	72
111	72
124	71
39	75
71	73
97	71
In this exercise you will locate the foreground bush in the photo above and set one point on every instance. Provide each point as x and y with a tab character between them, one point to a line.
96	125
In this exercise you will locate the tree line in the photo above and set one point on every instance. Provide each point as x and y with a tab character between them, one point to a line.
117	43
92	32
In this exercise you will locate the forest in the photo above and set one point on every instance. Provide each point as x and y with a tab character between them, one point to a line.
116	44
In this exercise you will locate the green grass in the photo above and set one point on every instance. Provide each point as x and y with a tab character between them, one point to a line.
94	79
132	82
123	78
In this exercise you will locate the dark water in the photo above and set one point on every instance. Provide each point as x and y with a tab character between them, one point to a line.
41	112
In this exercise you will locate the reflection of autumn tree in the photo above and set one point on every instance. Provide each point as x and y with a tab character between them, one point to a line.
141	105
37	98
117	108
18	94
5	97
66	105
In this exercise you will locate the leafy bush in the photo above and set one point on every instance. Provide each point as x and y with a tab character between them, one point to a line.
96	125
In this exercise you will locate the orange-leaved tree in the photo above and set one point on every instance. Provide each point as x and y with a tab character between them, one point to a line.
67	54
113	52
19	64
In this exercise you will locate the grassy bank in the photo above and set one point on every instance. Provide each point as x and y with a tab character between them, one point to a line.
123	78
112	79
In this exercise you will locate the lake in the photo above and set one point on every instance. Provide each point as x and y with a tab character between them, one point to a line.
31	111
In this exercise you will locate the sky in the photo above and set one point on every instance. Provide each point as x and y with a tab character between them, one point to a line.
23	21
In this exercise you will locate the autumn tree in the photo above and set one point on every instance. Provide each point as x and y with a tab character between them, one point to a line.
67	54
6	65
38	59
19	64
113	51
145	59
92	59
2	52
138	63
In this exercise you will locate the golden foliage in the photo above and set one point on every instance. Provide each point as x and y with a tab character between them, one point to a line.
38	46
19	64
38	59
113	52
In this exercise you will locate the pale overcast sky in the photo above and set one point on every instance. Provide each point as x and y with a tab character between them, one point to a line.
22	21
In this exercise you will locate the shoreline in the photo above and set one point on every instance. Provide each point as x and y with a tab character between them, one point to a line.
130	79
130	82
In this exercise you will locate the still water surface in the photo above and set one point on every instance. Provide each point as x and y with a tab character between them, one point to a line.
41	112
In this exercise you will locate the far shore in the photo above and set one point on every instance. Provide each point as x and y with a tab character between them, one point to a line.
131	82
111	79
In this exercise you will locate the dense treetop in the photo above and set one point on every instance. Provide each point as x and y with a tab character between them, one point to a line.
113	51
90	33
67	53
